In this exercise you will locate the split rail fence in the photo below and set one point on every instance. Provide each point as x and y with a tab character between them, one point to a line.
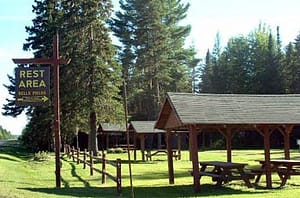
88	159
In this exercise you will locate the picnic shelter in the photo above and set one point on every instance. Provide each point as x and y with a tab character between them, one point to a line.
111	135
226	113
141	130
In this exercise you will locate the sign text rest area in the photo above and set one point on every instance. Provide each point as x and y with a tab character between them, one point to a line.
32	86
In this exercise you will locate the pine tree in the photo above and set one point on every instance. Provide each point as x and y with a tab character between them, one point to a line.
205	85
292	67
89	85
235	61
152	52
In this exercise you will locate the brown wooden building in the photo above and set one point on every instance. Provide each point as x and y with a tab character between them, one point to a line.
143	131
111	135
227	113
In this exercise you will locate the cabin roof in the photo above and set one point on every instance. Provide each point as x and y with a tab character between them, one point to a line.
144	127
181	109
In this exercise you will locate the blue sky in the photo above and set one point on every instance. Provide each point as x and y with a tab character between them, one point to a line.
207	17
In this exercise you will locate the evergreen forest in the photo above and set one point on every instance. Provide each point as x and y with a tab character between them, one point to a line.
5	135
150	59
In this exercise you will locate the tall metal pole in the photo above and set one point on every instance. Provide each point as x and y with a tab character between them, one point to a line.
127	135
56	109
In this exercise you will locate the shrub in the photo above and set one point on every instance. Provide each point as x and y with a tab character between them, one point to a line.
119	150
111	150
41	156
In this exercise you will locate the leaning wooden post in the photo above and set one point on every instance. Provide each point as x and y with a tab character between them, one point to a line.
84	159
91	162
103	169
119	181
73	153
78	154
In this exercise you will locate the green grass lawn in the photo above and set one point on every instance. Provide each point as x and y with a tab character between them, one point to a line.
20	176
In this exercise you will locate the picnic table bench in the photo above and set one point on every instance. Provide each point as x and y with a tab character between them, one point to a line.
150	153
224	172
284	168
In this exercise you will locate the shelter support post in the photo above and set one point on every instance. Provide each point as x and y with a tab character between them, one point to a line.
159	141
267	134
228	144
286	136
228	138
142	143
135	146
179	136
170	158
107	141
190	143
194	155
287	133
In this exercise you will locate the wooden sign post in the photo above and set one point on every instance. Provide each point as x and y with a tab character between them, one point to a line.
55	61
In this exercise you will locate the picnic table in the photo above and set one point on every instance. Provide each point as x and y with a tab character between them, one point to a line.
224	172
284	168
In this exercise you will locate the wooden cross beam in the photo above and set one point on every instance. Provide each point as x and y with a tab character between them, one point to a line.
55	61
39	61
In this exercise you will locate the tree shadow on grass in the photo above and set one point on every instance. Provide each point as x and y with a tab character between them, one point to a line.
74	174
147	191
9	159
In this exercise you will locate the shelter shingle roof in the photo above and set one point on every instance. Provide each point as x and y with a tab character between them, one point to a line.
231	109
108	127
145	127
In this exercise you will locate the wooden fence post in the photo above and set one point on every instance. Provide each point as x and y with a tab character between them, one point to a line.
119	186
103	169
69	151
73	153
84	158
78	154
91	163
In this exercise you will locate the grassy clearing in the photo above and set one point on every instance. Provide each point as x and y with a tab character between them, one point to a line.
20	176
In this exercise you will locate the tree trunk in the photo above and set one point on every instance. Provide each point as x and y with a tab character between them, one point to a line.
93	145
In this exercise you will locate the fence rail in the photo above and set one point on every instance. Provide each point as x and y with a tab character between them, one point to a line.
88	159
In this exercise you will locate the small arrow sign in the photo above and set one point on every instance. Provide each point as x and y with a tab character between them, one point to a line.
32	100
44	98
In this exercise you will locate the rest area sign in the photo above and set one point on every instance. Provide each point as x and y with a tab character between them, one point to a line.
32	86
